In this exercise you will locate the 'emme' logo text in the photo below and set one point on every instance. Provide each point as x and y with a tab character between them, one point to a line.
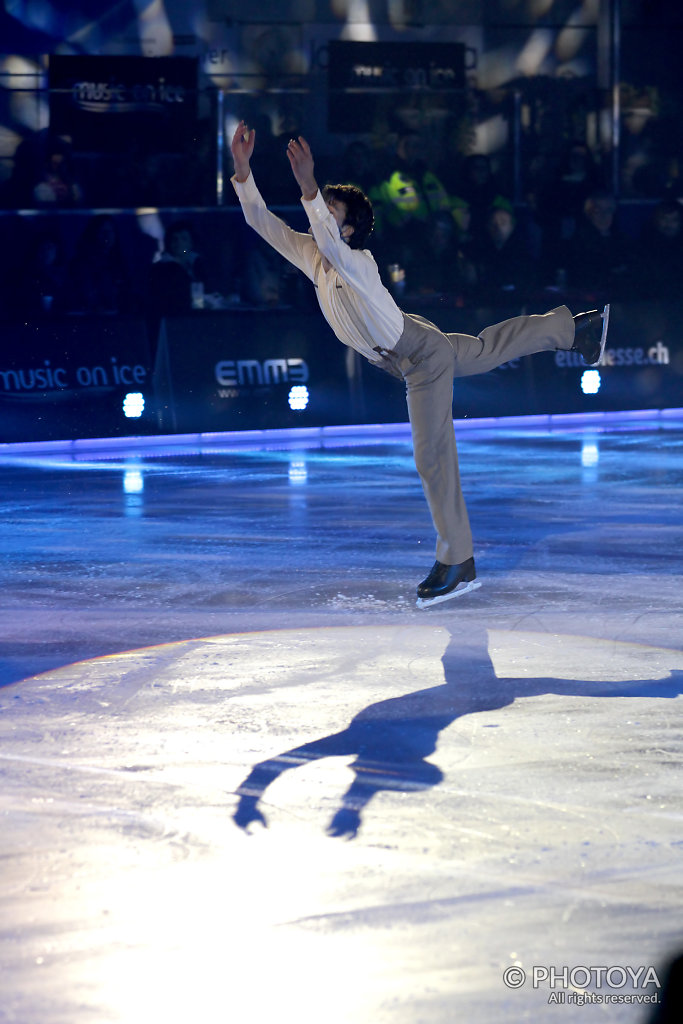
231	373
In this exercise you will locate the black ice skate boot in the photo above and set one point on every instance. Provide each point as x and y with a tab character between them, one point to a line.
590	335
447	581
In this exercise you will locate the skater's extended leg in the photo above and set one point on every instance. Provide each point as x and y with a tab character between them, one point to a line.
511	339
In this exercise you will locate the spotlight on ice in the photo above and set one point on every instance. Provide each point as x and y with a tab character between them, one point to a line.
298	397
590	382
133	405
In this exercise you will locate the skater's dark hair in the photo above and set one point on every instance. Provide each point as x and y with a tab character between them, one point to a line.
359	212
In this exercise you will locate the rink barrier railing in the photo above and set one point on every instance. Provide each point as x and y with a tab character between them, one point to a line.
352	434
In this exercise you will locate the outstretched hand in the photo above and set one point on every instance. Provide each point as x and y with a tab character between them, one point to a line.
301	160
242	148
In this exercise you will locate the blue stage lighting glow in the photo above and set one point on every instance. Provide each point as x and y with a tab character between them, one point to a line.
133	405
298	397
590	382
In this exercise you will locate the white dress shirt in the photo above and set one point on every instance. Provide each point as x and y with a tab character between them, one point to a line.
355	303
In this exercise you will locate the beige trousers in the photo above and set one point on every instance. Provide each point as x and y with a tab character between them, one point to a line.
428	360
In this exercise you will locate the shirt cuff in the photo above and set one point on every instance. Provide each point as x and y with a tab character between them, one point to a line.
246	189
315	208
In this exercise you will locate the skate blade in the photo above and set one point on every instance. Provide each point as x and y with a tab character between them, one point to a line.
462	588
603	336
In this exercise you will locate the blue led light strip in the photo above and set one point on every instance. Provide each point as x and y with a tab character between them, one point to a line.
354	433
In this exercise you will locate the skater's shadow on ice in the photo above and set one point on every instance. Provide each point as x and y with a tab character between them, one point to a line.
392	739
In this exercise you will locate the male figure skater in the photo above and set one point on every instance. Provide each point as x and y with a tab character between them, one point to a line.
363	314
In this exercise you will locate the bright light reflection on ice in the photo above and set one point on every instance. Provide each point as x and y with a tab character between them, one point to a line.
189	943
590	453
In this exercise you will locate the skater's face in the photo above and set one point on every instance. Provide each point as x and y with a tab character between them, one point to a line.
339	211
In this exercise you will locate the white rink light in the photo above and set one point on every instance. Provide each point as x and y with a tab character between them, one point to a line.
133	405
298	397
298	474
133	482
590	382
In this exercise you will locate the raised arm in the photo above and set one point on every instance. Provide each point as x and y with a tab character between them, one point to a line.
358	269
300	249
242	148
301	160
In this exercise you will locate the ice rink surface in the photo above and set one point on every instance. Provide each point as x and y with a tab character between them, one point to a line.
244	779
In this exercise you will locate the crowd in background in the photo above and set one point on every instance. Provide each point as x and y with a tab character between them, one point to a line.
456	230
443	233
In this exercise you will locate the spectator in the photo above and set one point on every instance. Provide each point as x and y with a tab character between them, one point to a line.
446	267
177	273
41	278
599	257
266	277
649	144
477	185
406	202
57	186
505	269
410	193
562	196
17	192
359	167
99	281
660	252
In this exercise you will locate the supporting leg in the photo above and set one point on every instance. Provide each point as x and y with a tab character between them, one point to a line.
429	393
